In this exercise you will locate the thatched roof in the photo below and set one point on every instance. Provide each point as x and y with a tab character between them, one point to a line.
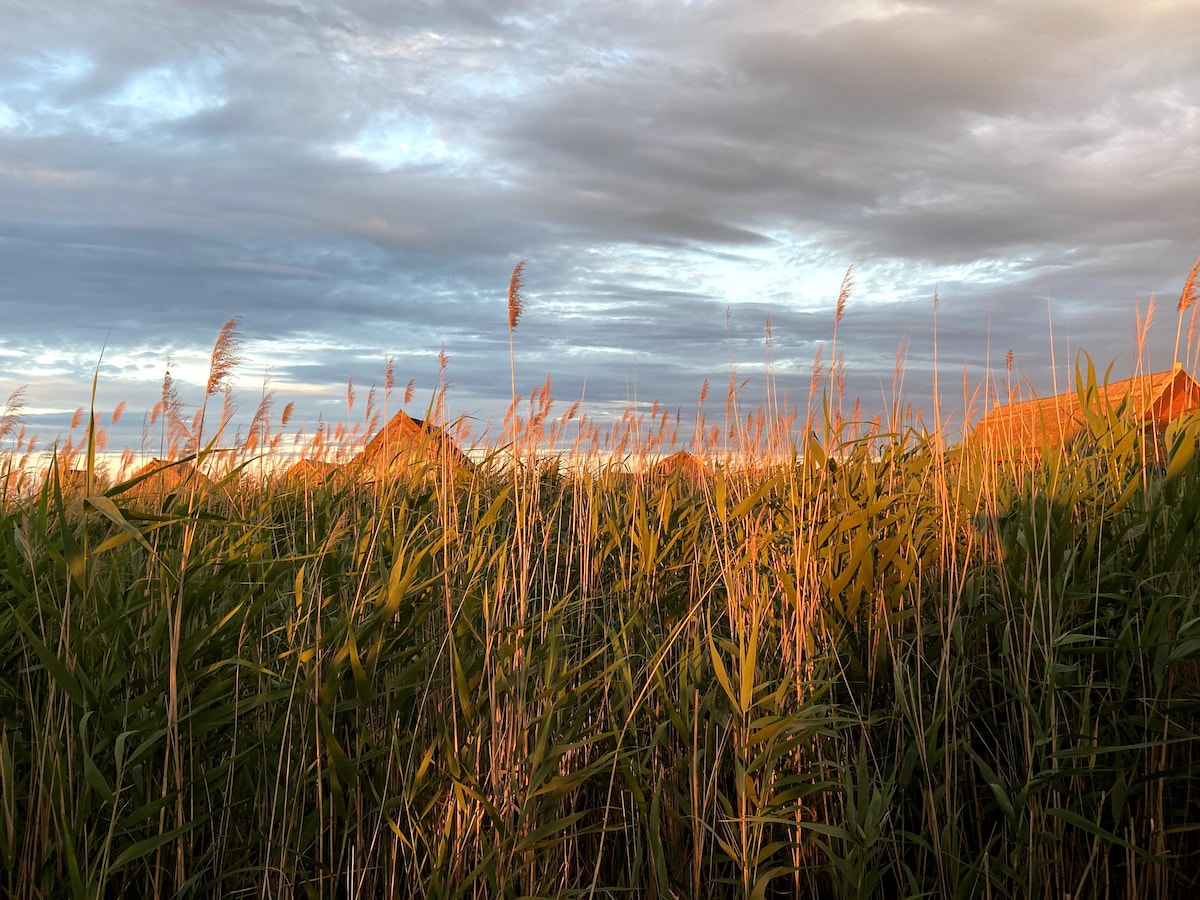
164	477
405	442
310	471
684	463
1024	428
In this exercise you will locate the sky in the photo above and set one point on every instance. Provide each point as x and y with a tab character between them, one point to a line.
356	181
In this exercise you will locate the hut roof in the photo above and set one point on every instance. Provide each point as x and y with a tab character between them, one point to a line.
405	441
685	463
1025	427
309	470
165	476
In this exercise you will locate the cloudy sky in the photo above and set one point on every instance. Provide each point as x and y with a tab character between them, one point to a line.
357	179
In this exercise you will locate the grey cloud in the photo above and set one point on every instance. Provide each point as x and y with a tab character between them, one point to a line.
646	158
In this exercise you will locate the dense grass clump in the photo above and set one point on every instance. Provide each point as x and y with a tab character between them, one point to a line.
871	667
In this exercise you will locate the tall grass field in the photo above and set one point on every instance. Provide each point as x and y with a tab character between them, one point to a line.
832	661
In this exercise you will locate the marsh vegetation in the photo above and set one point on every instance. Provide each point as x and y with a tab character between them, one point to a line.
852	663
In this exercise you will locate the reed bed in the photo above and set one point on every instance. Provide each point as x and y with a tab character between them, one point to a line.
853	663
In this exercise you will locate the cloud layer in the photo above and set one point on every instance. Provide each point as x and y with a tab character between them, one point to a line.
357	181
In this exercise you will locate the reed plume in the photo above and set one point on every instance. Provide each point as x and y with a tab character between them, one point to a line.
260	424
228	409
169	408
844	295
516	300
1191	288
836	361
1191	335
389	383
516	306
1142	330
1187	299
225	356
10	419
814	384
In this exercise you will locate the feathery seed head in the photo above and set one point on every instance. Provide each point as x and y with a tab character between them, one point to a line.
224	356
516	300
844	293
10	418
1191	288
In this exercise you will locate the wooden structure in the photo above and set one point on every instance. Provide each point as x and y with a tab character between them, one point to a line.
685	464
1023	429
405	443
163	477
309	472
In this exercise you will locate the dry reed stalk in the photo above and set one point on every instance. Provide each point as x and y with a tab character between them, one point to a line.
814	384
894	416
837	360
516	306
228	410
1191	339
1142	332
1008	367
126	466
937	400
169	409
847	287
260	423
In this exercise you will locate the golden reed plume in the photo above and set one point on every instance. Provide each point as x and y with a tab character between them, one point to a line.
225	357
1187	299
516	302
1191	289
